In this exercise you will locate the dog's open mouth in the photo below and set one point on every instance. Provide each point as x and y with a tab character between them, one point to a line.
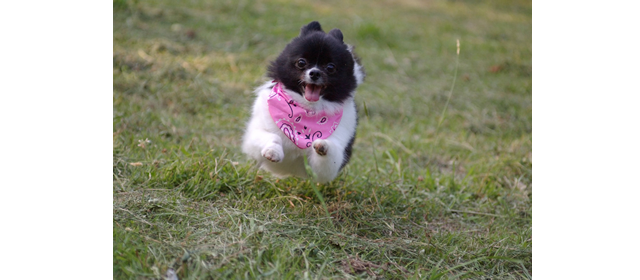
312	91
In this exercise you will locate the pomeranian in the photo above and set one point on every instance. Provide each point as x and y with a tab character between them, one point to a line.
308	108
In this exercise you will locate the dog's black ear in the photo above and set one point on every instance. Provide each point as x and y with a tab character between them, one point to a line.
311	27
337	34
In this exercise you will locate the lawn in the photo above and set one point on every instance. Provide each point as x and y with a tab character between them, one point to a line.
440	182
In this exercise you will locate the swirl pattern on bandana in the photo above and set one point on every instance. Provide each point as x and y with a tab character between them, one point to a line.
300	125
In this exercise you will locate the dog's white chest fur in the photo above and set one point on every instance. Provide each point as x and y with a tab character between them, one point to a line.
274	152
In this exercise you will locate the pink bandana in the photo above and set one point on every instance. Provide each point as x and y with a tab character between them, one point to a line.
301	126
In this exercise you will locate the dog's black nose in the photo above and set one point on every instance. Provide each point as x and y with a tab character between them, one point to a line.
315	74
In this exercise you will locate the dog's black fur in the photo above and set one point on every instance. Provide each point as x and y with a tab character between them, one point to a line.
319	49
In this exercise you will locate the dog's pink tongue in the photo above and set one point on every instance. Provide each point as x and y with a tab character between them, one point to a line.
312	93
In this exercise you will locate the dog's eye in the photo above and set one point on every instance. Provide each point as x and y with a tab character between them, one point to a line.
301	63
331	68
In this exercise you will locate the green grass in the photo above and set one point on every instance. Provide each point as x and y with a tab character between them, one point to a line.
419	199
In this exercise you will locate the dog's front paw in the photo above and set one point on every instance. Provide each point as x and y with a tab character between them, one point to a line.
272	155
321	147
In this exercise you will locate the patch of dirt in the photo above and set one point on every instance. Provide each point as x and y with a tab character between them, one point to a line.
355	265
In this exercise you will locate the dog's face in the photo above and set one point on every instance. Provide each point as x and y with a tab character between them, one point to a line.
316	64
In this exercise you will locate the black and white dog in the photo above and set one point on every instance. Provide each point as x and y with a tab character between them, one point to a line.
308	108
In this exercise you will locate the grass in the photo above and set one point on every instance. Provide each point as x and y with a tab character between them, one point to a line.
437	188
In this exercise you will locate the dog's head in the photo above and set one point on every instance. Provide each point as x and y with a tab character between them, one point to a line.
316	65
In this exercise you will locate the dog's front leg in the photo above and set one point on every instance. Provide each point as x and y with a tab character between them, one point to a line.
325	159
263	144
